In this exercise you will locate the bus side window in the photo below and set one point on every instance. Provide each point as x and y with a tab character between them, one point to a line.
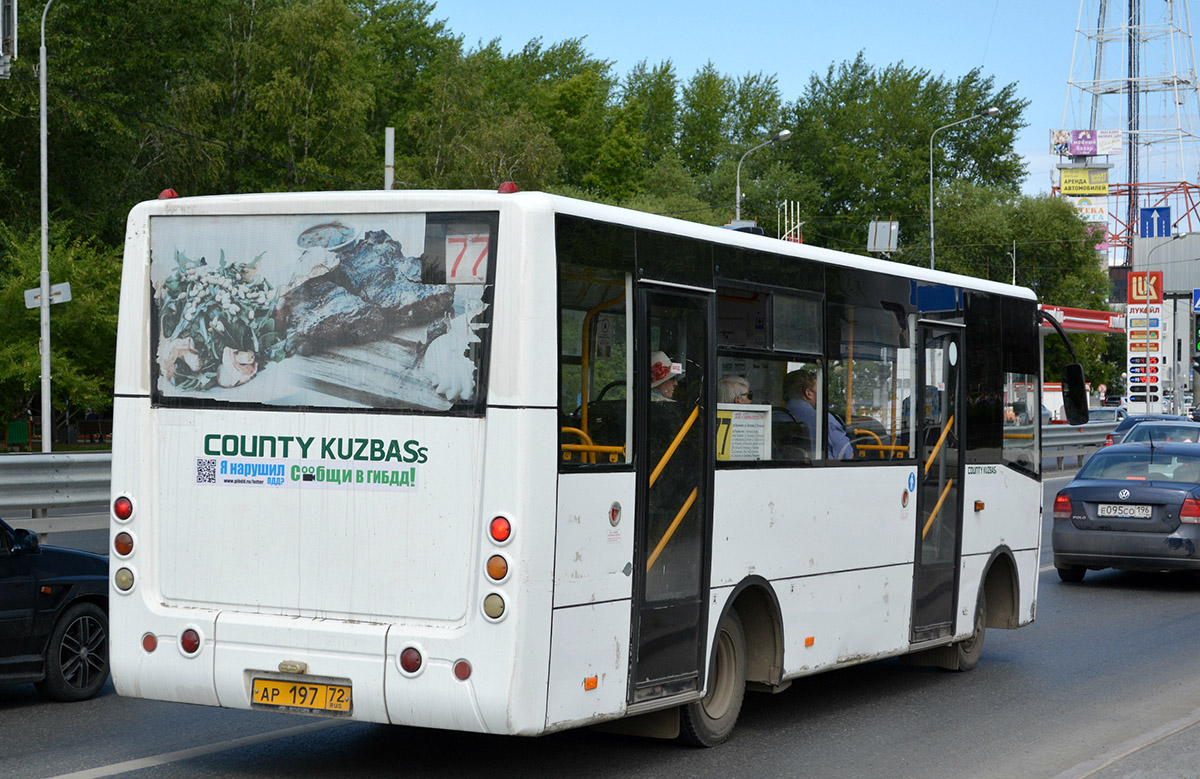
594	365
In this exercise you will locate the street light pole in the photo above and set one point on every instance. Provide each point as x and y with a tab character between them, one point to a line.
47	419
782	135
988	112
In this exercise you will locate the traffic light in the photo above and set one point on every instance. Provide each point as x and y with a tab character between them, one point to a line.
1196	343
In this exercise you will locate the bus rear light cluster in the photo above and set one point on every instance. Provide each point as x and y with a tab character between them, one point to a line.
500	530
497	568
462	670
123	544
122	508
123	579
493	606
149	642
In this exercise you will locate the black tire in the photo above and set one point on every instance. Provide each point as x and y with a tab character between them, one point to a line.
77	654
709	721
1071	573
971	647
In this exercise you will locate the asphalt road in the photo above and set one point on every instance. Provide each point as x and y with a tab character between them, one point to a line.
1102	685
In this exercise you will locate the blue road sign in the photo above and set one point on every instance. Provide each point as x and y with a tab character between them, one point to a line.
1156	222
1196	301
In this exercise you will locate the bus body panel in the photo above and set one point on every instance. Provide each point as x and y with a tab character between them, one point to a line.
801	522
998	487
348	516
590	642
251	645
850	617
593	553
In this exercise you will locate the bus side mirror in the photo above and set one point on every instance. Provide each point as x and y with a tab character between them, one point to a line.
1075	402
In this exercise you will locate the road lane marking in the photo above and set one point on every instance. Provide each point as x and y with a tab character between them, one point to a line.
1132	746
187	754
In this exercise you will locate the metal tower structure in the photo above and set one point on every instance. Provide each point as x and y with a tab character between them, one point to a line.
1133	69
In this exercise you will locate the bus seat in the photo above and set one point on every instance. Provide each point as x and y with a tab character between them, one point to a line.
790	440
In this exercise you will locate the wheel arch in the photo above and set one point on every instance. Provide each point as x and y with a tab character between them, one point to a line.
758	609
1000	589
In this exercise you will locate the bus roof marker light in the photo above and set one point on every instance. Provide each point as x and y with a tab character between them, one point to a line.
507	188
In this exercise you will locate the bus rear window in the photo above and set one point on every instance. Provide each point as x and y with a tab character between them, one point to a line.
381	311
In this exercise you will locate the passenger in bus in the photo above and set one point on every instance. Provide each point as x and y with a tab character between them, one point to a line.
734	389
662	380
800	388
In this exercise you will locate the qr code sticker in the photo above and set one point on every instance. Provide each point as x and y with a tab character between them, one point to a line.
206	471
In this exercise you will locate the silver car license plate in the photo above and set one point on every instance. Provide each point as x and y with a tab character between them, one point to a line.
1134	511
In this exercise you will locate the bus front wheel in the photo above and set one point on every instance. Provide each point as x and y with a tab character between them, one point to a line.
970	648
709	721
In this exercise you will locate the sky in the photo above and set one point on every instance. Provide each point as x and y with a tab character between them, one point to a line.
1015	41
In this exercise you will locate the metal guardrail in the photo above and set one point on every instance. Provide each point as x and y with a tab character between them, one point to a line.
1062	441
37	482
31	484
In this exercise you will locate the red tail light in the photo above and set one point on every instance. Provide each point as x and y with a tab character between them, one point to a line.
500	529
123	508
1190	512
189	641
410	660
1108	441
1062	506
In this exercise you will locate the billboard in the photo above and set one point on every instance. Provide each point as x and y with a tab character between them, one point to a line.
1083	182
1090	209
1085	143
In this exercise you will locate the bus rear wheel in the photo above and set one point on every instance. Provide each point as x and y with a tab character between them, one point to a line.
709	721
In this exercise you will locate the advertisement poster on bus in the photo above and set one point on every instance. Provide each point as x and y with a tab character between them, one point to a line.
339	310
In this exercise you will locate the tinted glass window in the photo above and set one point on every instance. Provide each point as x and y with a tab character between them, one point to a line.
1188	434
1142	466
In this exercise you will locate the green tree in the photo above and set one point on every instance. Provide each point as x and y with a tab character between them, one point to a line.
653	93
83	331
705	120
862	136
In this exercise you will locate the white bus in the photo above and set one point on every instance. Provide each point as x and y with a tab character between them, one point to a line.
514	463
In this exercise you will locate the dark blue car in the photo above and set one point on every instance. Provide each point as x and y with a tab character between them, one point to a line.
1131	506
53	617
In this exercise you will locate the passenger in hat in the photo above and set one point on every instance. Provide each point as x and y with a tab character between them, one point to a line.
662	380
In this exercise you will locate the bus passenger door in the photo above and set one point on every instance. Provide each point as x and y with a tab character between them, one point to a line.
939	472
675	456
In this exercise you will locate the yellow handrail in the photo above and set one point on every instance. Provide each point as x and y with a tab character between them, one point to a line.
671	530
941	440
933	514
674	445
586	345
878	441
